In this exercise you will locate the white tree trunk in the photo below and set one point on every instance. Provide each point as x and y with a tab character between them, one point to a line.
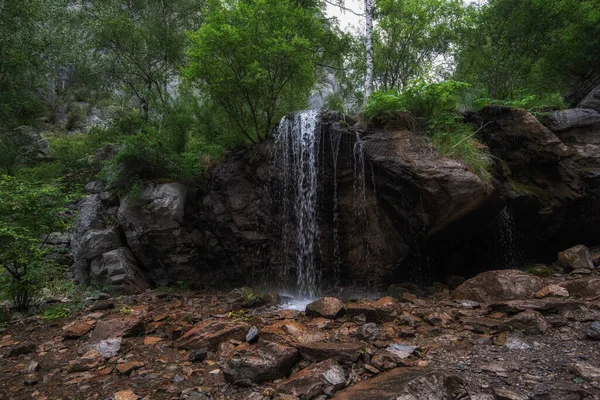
369	48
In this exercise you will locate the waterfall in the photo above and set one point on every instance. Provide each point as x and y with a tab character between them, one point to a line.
335	152
297	149
510	254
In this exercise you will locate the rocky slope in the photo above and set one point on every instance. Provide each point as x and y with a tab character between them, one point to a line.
501	335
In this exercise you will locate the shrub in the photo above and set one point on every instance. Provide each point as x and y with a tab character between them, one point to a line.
537	105
28	212
383	106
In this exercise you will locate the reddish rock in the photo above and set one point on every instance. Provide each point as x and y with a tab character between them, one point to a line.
326	376
151	340
577	257
209	334
130	325
127	368
342	352
90	360
552	291
321	323
583	288
499	286
355	309
264	361
387	308
326	307
126	395
439	319
291	331
529	321
406	383
77	329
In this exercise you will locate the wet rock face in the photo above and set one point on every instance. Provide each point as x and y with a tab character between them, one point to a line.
375	223
159	230
551	180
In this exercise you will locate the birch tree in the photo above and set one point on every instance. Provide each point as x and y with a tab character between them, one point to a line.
369	49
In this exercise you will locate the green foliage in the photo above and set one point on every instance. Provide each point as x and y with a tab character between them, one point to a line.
28	212
424	100
510	47
55	312
255	60
138	46
384	105
454	139
410	35
537	105
436	105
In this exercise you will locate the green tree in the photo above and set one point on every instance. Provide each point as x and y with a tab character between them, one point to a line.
409	37
515	47
257	60
26	56
140	45
29	212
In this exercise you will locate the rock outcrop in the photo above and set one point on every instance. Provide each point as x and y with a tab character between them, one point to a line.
389	209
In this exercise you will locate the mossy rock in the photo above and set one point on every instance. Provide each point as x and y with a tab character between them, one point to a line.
245	297
543	271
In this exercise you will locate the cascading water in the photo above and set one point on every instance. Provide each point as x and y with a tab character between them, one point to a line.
510	255
297	162
335	151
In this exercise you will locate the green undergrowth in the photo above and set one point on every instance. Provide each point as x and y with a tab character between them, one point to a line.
56	312
538	105
435	106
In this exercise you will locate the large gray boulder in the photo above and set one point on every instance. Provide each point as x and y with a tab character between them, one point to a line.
28	142
119	269
592	100
572	118
159	228
94	243
99	252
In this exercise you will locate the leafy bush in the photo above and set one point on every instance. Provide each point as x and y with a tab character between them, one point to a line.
28	212
423	100
55	312
537	105
426	100
384	105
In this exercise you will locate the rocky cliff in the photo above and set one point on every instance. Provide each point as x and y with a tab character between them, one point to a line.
390	209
